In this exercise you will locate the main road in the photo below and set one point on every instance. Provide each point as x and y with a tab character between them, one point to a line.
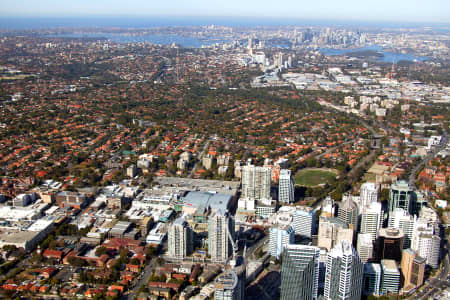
428	157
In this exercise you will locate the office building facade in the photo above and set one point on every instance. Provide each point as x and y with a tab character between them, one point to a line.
300	272
401	195
390	243
372	279
344	273
390	277
332	231
400	219
413	269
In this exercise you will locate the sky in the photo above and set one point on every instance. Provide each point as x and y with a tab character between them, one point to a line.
434	11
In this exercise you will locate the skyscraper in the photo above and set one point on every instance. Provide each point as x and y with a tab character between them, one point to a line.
401	195
371	219
255	188
413	269
300	272
400	219
372	279
332	231
304	221
220	233
256	182
285	187
364	246
368	193
348	212
180	239
427	246
390	243
280	236
344	273
390	277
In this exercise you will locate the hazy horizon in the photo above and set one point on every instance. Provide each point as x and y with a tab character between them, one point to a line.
411	11
41	22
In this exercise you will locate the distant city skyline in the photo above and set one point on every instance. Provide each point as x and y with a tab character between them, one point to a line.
433	11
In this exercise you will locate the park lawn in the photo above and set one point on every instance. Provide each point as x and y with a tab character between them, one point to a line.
313	177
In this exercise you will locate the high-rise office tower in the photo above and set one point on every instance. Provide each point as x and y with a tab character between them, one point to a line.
389	244
304	221
280	60
300	272
227	286
399	218
348	212
390	277
180	239
364	246
332	231
413	269
401	195
371	219
285	187
344	273
280	236
368	193
372	279
220	234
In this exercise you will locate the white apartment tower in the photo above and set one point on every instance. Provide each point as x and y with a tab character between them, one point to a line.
285	187
256	182
400	219
371	219
427	245
368	194
364	246
180	239
220	233
255	187
344	273
280	236
304	221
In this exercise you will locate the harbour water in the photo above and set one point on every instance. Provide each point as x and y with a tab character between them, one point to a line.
390	57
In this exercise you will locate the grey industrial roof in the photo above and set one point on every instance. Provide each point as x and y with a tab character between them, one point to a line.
203	200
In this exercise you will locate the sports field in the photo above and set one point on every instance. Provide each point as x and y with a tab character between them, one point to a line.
314	177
